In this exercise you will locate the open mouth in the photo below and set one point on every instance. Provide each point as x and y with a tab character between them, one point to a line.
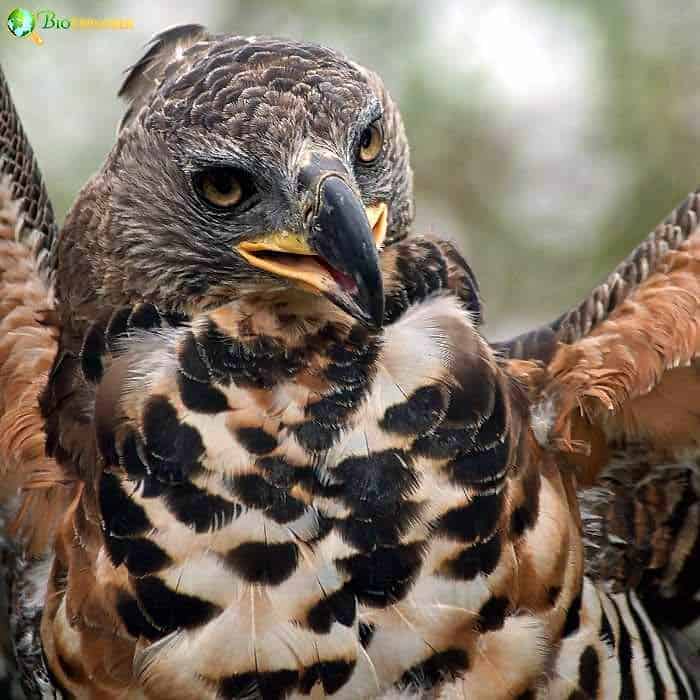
289	255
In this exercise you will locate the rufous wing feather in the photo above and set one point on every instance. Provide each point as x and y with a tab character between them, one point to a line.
616	388
28	332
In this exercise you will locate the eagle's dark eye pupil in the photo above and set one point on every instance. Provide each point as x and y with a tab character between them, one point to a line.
366	139
222	183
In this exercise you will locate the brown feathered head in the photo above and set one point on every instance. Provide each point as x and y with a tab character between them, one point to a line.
242	166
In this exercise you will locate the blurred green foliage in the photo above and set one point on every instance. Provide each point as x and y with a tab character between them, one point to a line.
549	136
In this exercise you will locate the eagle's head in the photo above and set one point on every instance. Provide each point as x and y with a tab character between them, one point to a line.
242	166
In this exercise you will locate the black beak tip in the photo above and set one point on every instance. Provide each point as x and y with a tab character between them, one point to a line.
365	306
375	308
341	235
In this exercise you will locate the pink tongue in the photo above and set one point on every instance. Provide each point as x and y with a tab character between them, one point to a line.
343	280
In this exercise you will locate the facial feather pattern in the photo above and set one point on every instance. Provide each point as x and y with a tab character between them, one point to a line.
263	106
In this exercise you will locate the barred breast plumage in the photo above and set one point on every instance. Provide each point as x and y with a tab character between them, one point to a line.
346	513
336	507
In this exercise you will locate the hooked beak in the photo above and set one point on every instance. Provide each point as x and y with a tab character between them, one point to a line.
337	254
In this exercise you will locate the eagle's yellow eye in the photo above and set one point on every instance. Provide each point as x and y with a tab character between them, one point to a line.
371	142
221	187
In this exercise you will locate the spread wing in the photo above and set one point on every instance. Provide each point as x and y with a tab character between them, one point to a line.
28	333
626	369
28	343
630	277
32	220
619	396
